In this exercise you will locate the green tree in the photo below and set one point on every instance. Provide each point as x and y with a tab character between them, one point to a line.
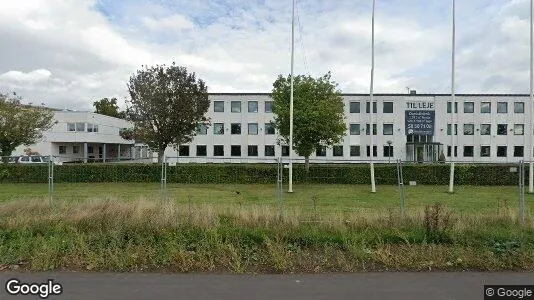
318	118
20	124
108	107
167	104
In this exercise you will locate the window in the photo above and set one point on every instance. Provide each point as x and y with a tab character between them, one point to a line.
469	107
285	150
449	151
354	129
235	150
202	129
519	107
218	106
388	151
71	126
218	150
354	150
485	151
320	151
90	149
485	129
519	129
501	151
253	106
269	150
202	150
388	129
183	150
449	104
268	106
368	129
62	149
469	129
502	107
368	107
369	151
354	107
337	150
252	128
80	127
36	159
502	129
252	150
92	127
235	106
388	108
75	149
485	107
269	128
235	128
468	151
518	151
218	128
449	128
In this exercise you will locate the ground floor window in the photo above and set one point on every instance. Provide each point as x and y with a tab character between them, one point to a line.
218	150
202	150
338	150
501	151
388	151
235	150
269	150
62	149
183	151
355	151
518	151
252	150
485	151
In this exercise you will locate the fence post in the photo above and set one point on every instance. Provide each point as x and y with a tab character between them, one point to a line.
50	178
400	180
279	186
521	191
164	178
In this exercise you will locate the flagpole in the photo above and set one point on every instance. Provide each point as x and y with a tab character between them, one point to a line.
531	164
371	106
290	189
453	96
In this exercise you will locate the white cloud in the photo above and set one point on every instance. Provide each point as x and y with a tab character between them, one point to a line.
174	22
30	77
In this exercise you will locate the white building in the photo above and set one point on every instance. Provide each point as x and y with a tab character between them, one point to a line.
86	136
488	127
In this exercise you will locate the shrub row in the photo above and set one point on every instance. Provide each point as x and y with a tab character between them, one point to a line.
436	174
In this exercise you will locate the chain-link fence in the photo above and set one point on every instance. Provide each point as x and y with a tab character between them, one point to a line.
320	188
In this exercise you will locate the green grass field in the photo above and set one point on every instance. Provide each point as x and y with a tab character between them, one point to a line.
322	198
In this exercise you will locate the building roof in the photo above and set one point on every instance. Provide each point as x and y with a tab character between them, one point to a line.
385	94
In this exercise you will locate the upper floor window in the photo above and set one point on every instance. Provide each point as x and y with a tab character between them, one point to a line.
519	107
368	107
388	129
469	129
469	107
388	107
502	107
71	126
485	107
354	107
269	128
268	106
236	106
253	106
202	129
92	127
449	107
218	106
218	128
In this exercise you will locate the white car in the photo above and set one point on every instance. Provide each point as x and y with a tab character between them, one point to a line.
34	159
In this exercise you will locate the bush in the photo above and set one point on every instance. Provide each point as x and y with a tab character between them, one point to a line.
435	174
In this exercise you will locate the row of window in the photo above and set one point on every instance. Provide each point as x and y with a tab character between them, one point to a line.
354	107
235	106
485	107
485	129
485	151
235	128
81	127
269	151
75	149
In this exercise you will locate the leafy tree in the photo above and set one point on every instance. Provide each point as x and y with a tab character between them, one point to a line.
167	103
318	112
20	124
108	107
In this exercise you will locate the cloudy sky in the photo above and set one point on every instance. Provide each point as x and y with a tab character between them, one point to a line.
68	53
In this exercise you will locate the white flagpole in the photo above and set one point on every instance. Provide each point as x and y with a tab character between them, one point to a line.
453	92
531	164
371	106
290	190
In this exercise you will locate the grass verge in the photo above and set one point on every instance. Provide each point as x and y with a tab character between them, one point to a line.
145	235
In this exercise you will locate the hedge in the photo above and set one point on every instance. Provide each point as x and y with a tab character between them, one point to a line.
435	174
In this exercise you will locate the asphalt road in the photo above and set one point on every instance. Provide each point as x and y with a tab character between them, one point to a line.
368	286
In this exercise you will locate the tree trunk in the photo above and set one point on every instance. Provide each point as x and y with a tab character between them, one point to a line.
161	152
5	154
307	160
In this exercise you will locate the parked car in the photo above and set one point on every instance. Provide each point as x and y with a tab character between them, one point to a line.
34	159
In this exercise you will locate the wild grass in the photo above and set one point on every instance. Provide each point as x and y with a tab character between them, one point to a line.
146	234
